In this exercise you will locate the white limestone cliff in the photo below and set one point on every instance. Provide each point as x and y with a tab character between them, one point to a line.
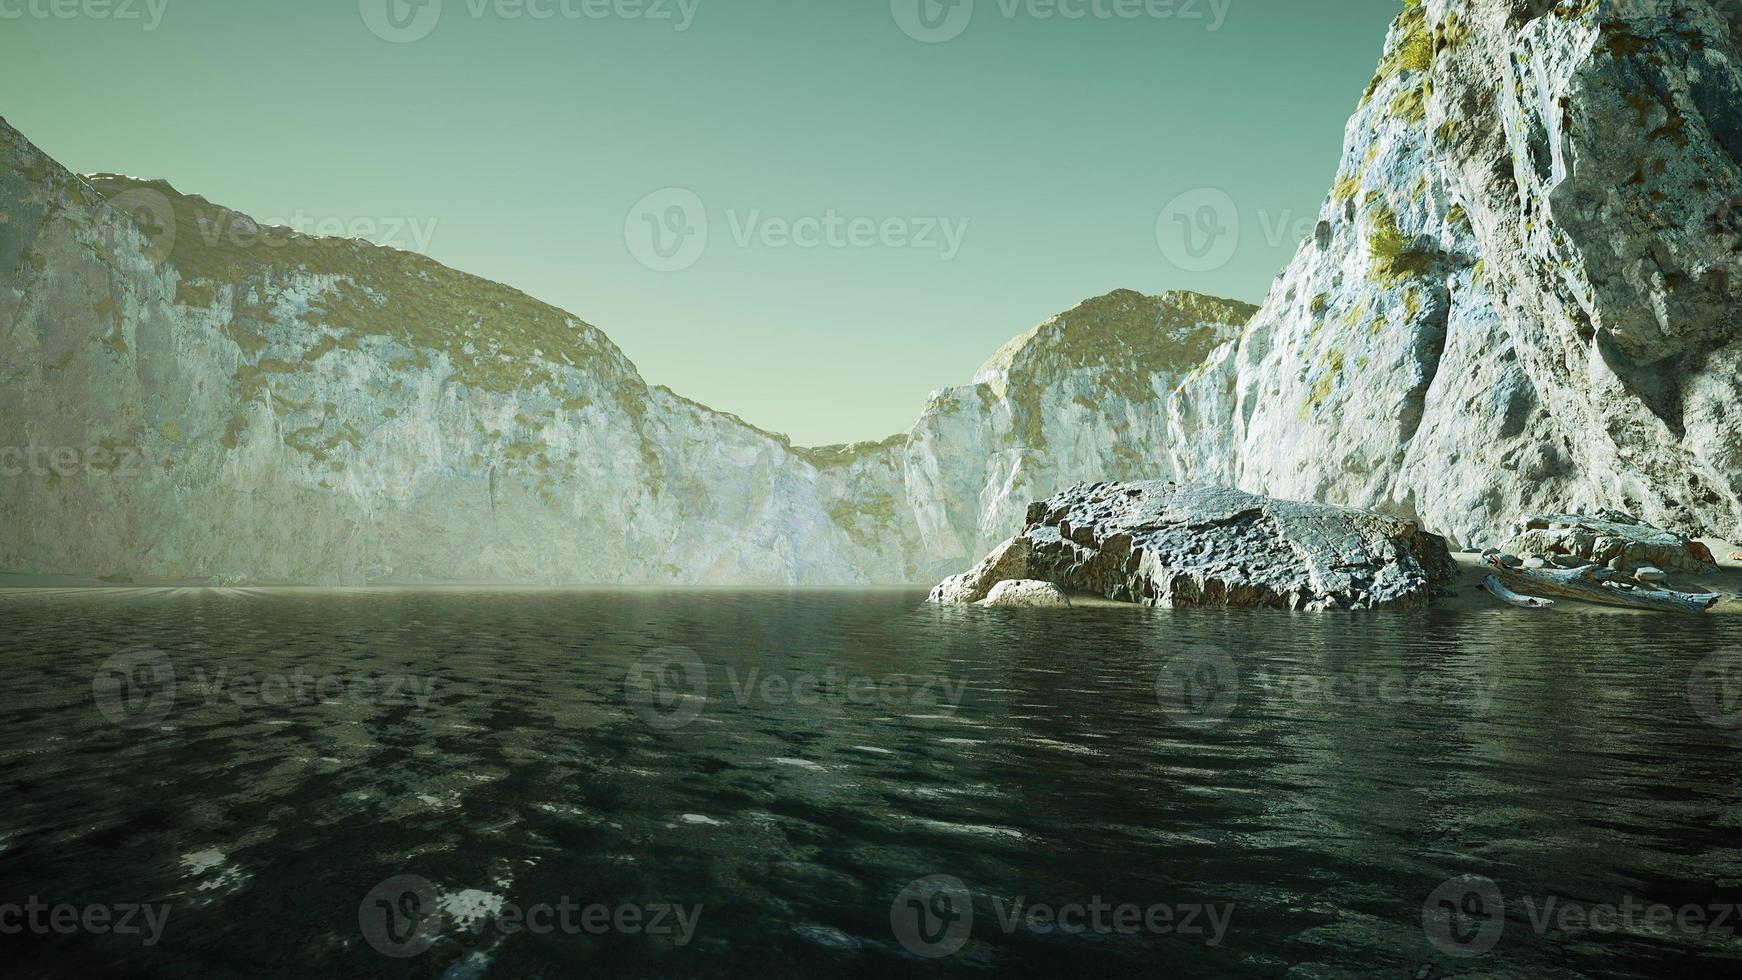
1523	294
253	405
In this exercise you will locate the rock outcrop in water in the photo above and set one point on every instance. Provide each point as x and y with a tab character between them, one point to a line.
1171	544
1009	562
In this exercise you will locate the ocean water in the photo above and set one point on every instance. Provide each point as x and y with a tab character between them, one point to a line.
722	784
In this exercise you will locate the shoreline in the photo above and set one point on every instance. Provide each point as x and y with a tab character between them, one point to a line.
1466	588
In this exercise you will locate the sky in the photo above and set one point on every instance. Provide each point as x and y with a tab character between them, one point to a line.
809	213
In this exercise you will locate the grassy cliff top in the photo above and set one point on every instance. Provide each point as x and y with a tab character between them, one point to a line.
498	337
1172	332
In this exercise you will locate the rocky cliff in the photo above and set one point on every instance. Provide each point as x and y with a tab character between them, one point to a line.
185	396
1523	293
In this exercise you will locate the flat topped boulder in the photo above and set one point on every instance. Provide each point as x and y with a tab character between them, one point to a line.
1171	544
1612	538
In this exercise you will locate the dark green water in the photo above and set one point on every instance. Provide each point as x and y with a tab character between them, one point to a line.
803	785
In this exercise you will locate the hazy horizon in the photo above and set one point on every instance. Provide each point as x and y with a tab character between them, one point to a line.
963	175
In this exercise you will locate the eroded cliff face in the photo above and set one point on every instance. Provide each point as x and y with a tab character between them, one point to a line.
255	405
268	407
1523	293
1081	397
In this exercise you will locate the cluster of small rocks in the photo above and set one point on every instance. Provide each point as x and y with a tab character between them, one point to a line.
1621	543
1643	573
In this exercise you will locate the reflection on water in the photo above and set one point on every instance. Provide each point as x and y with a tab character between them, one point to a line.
769	785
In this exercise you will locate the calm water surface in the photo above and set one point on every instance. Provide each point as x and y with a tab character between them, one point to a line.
852	784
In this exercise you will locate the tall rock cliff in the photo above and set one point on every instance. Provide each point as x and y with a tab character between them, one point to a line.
1523	293
185	395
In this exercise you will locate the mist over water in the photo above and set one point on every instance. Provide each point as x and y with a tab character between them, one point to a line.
854	784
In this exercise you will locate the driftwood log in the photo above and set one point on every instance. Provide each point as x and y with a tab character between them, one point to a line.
1594	583
1494	587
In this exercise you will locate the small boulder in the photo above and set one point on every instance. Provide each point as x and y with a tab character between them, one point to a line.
1535	563
1008	561
1026	594
1650	574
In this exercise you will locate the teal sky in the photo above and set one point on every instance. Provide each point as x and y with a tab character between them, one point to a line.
517	148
